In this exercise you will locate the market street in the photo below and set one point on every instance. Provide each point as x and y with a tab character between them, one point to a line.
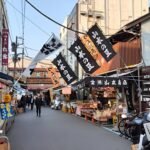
56	130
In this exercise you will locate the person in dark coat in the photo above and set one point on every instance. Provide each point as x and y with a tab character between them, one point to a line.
32	102
23	102
38	103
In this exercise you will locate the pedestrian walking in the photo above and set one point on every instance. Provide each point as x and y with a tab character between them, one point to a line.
23	102
32	102
38	103
29	100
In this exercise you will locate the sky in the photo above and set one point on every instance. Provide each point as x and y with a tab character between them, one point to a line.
35	37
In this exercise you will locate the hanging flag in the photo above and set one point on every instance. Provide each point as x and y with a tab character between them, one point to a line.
49	48
84	57
54	75
102	44
66	72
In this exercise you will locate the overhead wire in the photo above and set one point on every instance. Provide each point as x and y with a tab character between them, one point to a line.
49	18
46	33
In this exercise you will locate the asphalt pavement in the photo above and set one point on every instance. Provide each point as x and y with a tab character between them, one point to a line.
56	130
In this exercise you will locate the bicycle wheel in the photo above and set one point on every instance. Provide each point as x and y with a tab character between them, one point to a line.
121	126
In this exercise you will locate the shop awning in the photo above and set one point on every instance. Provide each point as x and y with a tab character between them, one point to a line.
5	78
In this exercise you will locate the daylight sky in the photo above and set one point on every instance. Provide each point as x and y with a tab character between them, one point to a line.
35	37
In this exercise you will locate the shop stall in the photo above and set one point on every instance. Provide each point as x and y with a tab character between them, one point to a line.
6	83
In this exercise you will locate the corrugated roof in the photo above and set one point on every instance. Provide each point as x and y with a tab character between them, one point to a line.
130	30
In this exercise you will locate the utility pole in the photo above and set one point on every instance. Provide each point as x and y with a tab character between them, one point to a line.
14	49
23	57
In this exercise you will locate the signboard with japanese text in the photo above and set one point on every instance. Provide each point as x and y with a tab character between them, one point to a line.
101	82
84	57
5	35
91	48
105	81
6	111
146	89
145	78
54	76
102	44
66	72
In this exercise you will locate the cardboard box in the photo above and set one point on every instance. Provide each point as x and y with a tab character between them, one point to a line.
20	110
134	147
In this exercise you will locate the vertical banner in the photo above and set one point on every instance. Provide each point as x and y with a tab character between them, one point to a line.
84	57
5	47
54	75
102	44
66	72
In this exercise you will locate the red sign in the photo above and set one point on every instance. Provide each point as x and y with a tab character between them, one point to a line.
5	46
66	90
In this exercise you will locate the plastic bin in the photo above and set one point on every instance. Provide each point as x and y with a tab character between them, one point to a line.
4	143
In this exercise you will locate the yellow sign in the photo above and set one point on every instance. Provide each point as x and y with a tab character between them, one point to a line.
7	98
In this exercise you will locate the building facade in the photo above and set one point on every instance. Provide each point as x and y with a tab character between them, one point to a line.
3	25
110	15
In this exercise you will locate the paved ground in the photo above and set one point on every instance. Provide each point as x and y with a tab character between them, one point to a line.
59	131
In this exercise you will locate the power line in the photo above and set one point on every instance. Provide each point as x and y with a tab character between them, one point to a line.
27	18
31	48
53	19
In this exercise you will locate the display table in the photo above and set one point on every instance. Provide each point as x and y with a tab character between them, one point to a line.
85	106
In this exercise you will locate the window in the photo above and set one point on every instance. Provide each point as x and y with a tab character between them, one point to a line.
38	75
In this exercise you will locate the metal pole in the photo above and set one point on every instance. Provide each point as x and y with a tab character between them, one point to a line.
139	90
15	57
23	57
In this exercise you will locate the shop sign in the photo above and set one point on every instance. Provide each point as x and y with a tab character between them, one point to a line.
145	89
4	46
53	74
145	73
6	111
91	48
106	81
102	44
84	57
66	72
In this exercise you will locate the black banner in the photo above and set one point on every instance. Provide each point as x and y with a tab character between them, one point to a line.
66	72
105	81
84	57
102	44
